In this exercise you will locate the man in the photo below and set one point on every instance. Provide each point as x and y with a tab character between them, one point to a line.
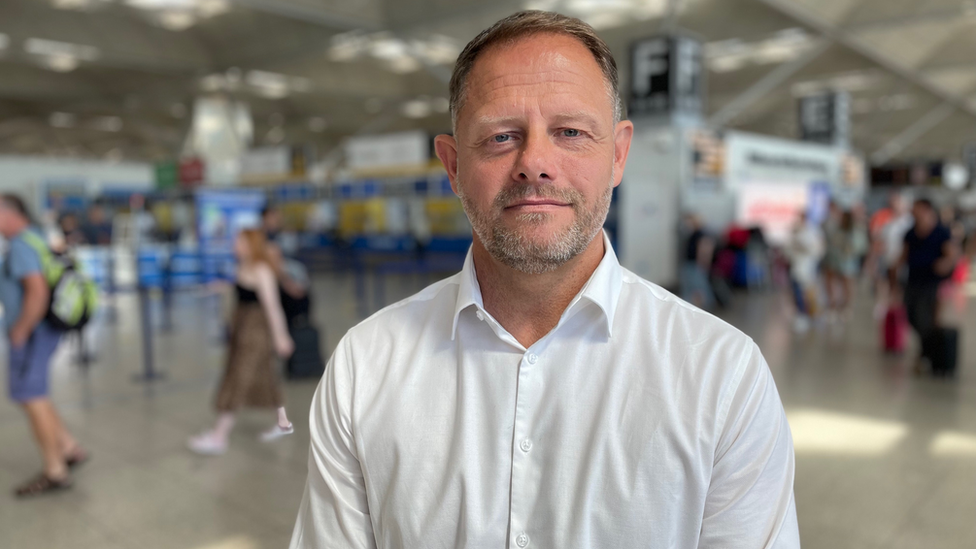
544	396
24	293
931	255
97	227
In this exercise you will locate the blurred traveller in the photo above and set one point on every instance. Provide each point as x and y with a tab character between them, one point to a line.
97	228
845	243
294	285
544	396
699	250
931	256
73	235
24	293
258	332
805	249
888	228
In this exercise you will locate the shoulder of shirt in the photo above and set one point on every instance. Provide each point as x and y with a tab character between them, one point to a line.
674	309
391	314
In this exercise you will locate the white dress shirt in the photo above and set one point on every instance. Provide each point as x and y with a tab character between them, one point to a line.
638	421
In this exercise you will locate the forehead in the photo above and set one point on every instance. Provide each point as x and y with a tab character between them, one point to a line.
555	67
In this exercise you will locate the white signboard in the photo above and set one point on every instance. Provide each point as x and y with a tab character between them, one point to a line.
390	150
265	161
773	179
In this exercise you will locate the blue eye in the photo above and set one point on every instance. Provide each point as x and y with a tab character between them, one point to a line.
571	133
502	137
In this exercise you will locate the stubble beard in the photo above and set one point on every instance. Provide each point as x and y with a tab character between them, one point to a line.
511	247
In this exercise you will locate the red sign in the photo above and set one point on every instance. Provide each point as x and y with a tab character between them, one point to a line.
191	172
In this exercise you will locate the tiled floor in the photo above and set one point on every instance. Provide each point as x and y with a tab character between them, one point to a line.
884	459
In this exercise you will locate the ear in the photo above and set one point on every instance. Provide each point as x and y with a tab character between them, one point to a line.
446	148
623	134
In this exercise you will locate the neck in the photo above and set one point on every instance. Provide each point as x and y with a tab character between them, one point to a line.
529	305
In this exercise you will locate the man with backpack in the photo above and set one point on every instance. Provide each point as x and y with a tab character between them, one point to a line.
25	293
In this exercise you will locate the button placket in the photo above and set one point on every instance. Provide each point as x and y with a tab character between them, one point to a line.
524	475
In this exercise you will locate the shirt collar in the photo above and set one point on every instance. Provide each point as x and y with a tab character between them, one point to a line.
602	289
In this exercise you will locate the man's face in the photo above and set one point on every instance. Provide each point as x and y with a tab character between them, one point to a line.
6	221
536	152
924	216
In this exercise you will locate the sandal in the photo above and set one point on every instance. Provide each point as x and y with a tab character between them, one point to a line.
277	432
42	484
76	457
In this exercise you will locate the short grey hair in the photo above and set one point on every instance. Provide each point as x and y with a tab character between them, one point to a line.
522	25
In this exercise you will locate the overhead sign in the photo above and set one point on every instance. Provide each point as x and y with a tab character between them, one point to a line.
825	118
166	175
191	172
387	151
666	77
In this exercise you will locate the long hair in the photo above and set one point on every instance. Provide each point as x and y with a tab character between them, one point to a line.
257	244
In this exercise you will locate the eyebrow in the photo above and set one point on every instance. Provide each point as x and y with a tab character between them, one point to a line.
560	118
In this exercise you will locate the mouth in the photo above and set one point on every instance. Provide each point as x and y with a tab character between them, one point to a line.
537	205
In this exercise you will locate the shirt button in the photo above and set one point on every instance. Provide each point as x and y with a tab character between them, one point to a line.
532	358
480	315
526	445
522	540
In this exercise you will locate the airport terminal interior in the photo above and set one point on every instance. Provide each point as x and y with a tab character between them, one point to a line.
789	158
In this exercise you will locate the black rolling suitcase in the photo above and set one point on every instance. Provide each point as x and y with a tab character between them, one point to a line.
306	362
942	349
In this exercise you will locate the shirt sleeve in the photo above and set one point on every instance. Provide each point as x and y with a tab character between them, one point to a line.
750	497
334	513
23	260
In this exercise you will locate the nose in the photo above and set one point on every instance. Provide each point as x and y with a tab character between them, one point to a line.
536	163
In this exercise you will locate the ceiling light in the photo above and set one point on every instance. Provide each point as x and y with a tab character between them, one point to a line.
162	4
176	20
347	46
212	8
437	49
108	124
398	55
77	4
178	15
61	63
62	120
403	65
274	85
387	47
268	84
730	55
604	13
416	108
42	46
